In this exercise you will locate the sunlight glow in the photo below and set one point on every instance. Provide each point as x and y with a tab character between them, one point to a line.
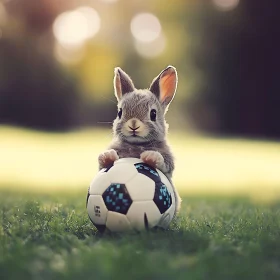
226	5
73	28
145	27
152	49
63	161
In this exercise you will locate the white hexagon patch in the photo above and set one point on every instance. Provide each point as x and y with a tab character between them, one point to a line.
97	209
99	183
142	214
141	187
121	173
128	160
167	217
117	222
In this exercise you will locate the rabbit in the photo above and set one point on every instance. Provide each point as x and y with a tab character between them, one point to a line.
139	129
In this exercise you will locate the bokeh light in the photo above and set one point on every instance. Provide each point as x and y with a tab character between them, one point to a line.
73	28
145	27
68	56
225	5
151	49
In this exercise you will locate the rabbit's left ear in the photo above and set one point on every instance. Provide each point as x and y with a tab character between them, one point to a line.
122	83
164	85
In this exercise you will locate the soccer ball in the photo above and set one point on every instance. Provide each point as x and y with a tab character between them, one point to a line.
131	195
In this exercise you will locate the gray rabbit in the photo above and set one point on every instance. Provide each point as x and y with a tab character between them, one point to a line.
140	128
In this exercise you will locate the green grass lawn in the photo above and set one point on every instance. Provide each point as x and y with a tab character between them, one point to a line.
49	236
221	232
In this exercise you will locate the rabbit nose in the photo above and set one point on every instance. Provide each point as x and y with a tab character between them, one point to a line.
133	128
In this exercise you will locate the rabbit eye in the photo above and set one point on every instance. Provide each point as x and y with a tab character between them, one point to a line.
120	113
153	115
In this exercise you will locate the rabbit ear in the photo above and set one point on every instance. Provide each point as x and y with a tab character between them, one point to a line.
122	83
164	85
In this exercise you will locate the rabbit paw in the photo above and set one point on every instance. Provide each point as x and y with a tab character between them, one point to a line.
107	158
153	158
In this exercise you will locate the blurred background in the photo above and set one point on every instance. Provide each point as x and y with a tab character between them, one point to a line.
56	92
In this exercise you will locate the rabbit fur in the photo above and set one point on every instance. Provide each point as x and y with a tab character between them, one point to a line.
137	131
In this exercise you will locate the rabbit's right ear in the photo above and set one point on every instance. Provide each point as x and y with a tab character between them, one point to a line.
122	83
164	86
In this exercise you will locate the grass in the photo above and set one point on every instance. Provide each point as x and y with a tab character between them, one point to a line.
228	228
49	236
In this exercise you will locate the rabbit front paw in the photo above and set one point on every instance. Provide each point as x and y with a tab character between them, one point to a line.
107	158
154	159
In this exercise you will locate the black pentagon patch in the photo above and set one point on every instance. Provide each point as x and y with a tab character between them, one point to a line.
147	170
162	197
146	222
116	198
87	197
106	169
